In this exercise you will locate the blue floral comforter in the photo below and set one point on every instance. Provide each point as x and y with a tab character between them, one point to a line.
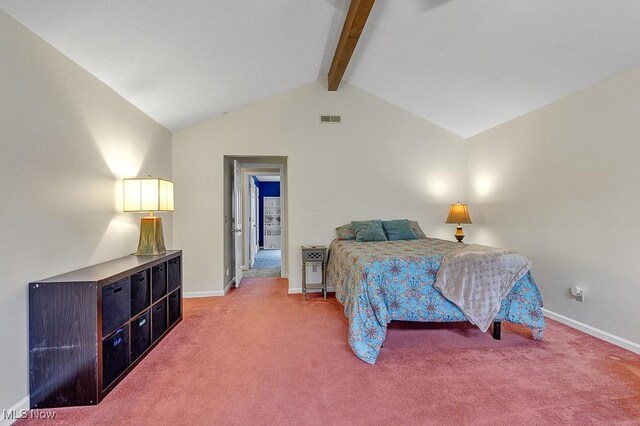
378	282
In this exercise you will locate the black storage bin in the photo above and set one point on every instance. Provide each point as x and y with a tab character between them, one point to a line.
174	274
115	356
159	319
159	281
116	305
140	292
174	307
140	335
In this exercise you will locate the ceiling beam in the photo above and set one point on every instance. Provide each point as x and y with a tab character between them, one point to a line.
353	26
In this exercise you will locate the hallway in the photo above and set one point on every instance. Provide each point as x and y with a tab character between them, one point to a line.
266	265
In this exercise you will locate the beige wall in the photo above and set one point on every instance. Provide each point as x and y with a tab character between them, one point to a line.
66	140
382	162
561	185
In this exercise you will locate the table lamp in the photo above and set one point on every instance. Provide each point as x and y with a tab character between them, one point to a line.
149	195
458	213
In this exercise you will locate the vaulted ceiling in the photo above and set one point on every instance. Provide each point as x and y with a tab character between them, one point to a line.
465	65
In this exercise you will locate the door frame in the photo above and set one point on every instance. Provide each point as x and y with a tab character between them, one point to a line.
253	221
259	164
247	172
237	210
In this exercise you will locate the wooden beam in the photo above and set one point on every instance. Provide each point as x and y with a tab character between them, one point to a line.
353	26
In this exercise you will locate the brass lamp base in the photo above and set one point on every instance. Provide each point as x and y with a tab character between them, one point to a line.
151	239
459	234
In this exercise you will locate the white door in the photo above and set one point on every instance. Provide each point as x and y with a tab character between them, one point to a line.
253	223
237	220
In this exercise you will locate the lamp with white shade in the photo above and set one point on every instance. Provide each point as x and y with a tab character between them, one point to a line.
149	195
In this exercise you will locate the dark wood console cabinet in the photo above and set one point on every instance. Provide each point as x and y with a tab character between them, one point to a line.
90	327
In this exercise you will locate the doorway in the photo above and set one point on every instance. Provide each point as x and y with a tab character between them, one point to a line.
265	222
255	218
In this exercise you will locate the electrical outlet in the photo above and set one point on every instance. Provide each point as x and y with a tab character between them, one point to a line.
226	274
577	292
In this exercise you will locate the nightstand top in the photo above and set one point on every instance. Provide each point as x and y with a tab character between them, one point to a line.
314	247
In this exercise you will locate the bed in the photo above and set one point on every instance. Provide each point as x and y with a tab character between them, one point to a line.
378	282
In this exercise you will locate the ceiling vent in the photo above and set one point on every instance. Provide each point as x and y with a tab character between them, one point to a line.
330	119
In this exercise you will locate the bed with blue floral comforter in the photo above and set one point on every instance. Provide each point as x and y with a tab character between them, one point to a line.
378	282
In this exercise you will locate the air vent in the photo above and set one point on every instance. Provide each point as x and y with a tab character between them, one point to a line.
330	119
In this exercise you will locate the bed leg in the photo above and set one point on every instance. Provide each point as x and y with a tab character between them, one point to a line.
497	325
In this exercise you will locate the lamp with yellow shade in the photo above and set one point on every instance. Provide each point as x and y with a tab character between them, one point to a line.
149	195
459	213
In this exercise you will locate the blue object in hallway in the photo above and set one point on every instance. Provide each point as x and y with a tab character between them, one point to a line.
267	259
267	189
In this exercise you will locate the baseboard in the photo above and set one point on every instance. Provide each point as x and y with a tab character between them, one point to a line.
14	413
298	290
595	332
196	294
215	293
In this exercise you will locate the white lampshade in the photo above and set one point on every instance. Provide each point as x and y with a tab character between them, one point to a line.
148	195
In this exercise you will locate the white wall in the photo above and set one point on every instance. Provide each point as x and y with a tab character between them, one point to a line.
66	140
561	185
382	162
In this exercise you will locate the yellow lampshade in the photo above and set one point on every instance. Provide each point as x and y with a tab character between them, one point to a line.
148	195
458	213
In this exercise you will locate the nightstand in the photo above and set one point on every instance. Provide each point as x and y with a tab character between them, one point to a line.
314	269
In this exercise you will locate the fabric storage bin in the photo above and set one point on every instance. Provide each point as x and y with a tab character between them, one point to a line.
159	281
116	305
174	307
174	274
140	292
159	319
140	335
115	356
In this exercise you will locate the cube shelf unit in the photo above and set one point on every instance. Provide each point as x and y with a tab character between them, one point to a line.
272	238
89	328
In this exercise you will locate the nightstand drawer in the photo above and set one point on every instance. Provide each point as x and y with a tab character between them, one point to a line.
313	255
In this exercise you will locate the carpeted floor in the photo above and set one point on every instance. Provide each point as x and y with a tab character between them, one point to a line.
266	265
260	357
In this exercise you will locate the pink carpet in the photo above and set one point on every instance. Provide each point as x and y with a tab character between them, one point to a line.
258	356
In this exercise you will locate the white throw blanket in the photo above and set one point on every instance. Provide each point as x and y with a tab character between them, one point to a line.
476	278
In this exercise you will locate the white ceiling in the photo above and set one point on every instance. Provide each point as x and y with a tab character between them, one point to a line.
469	65
466	65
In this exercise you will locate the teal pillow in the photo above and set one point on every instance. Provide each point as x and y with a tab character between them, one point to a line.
399	230
369	230
416	228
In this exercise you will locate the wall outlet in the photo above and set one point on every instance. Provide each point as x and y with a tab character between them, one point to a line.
577	292
226	274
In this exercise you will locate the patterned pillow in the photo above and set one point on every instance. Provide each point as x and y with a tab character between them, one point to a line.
346	232
416	228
